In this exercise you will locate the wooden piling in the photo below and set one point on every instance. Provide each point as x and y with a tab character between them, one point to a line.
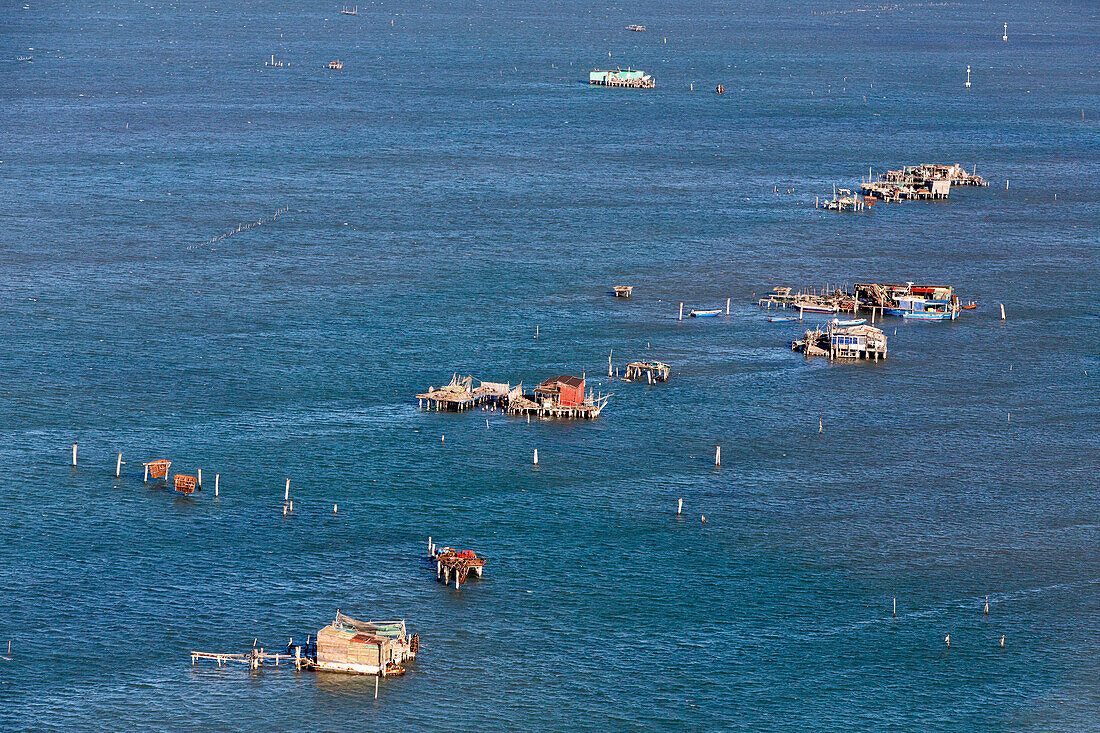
717	455
536	456
681	311
1002	311
727	306
118	466
74	455
217	478
198	479
146	479
679	506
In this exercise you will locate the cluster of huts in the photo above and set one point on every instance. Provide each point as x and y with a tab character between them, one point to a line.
910	183
561	396
916	182
854	338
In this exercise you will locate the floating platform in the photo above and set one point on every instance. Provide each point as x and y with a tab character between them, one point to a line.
456	565
629	78
651	371
623	291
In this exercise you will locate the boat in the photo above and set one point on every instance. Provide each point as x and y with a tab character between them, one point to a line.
336	65
705	313
815	308
782	319
923	309
930	315
970	306
849	322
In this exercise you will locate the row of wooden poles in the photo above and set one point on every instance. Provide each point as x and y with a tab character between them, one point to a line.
288	504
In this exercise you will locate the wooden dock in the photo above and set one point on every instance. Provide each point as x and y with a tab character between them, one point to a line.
460	395
651	371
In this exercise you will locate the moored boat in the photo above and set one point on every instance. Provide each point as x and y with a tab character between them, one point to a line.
782	319
923	309
849	322
815	308
705	313
930	315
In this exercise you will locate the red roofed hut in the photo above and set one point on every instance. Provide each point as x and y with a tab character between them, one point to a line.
562	396
563	391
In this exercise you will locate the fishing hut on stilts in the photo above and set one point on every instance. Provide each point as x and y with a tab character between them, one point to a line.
651	371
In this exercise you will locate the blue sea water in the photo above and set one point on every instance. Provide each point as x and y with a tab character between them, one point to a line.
454	187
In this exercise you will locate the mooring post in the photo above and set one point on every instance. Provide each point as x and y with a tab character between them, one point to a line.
217	478
681	310
333	508
1002	311
286	493
717	455
429	545
146	474
198	480
679	506
727	306
118	466
894	613
536	456
74	455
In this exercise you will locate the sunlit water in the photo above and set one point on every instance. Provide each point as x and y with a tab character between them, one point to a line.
454	187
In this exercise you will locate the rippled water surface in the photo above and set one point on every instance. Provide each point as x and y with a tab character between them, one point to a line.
454	187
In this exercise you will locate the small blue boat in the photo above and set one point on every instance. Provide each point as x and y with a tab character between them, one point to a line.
849	322
706	314
781	319
931	315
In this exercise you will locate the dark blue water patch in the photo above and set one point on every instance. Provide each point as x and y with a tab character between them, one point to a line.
456	186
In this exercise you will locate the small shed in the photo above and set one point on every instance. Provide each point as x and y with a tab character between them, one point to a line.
563	391
856	342
365	647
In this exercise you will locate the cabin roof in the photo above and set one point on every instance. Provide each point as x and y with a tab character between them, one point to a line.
564	379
